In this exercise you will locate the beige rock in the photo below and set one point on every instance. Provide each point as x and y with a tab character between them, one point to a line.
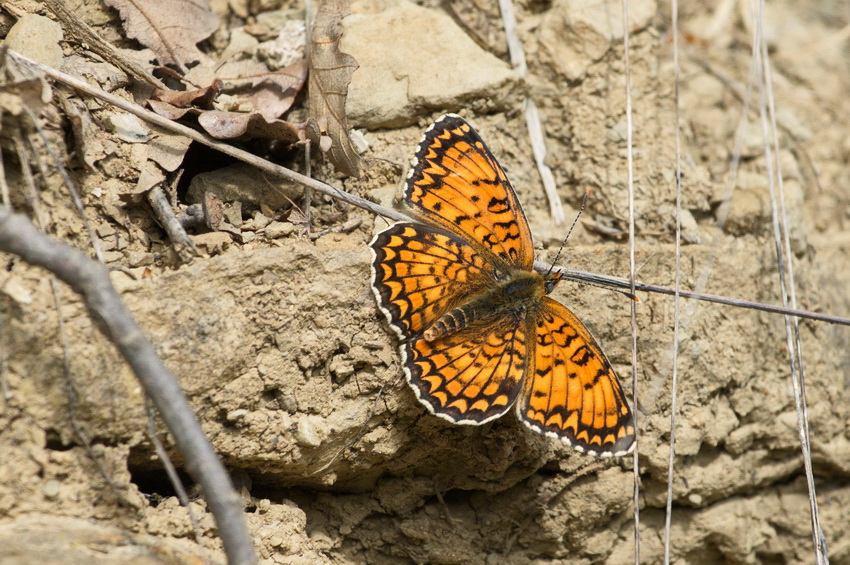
243	183
414	60
577	32
37	38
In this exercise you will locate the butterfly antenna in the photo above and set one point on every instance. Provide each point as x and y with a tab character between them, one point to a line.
563	243
575	221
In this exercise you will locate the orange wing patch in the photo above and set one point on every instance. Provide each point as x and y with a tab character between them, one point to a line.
419	273
455	182
468	377
572	392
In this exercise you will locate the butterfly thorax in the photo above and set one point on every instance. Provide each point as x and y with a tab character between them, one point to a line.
511	297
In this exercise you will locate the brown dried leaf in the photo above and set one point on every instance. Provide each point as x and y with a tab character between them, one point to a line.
171	28
200	98
269	93
229	125
330	75
166	110
262	96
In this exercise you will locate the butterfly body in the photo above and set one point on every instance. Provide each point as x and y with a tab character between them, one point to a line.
478	334
513	296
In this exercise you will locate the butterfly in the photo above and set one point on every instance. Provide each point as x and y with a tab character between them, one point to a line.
477	333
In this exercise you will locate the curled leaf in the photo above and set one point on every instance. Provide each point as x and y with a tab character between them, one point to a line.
270	93
200	98
229	125
330	75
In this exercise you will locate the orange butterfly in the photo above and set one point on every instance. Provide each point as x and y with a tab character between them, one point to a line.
478	335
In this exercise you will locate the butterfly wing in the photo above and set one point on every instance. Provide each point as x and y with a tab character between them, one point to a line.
469	377
420	272
456	183
571	391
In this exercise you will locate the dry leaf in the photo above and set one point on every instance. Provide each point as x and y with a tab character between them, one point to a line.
260	97
200	98
273	93
229	125
166	110
171	28
256	89
330	75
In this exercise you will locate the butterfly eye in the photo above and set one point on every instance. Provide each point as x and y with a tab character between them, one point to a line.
549	286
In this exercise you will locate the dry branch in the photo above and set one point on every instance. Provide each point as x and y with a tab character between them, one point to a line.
91	280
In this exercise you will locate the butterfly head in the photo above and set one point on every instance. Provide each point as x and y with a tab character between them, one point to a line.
550	280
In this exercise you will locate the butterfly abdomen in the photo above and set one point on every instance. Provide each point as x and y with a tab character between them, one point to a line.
520	291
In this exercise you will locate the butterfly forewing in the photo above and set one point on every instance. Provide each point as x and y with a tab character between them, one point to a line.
571	392
455	182
420	272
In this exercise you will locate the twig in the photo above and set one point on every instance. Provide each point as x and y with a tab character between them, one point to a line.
91	41
91	280
4	187
171	471
617	282
307	198
278	171
632	268
674	383
183	245
783	250
532	116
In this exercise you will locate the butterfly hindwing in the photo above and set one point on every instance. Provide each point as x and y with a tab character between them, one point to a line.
470	377
456	183
571	392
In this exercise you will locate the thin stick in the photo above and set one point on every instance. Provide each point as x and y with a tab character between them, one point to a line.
632	269
307	197
4	187
91	280
668	513
180	240
616	282
171	471
532	116
792	330
69	184
276	170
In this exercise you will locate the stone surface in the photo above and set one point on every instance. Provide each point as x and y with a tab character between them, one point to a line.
37	38
416	60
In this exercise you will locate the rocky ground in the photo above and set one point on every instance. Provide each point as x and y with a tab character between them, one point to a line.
275	336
